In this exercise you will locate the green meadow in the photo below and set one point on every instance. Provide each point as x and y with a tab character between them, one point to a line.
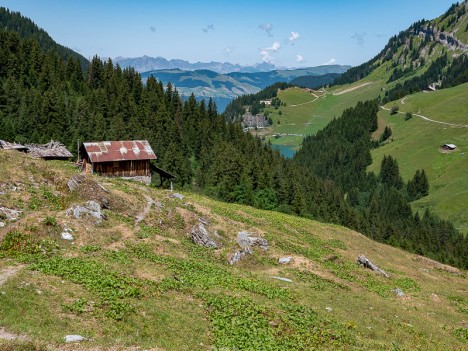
415	144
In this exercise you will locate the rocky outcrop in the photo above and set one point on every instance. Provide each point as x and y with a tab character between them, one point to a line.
91	209
446	39
246	241
89	189
201	236
9	213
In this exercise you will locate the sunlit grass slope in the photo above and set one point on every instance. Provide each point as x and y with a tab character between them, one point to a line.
127	284
415	144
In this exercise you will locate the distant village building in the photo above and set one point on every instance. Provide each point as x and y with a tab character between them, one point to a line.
53	150
448	147
255	121
12	146
266	102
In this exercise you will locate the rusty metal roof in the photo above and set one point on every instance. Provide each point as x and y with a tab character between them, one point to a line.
11	146
128	150
51	150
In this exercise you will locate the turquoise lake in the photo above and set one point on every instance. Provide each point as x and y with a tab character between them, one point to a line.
286	151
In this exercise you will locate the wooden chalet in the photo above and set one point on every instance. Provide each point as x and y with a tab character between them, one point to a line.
129	158
12	146
448	147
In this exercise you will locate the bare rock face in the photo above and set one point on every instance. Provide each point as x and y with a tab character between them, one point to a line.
201	236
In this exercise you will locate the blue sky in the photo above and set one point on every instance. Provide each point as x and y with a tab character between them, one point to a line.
286	33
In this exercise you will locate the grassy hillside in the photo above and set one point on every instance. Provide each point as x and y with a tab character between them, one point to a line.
407	56
416	145
137	281
307	112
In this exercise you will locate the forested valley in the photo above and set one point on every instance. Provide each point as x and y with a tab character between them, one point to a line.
43	97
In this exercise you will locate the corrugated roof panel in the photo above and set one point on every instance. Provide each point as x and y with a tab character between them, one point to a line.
127	150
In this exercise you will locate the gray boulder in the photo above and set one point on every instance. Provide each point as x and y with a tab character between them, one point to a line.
90	209
284	260
74	338
398	292
245	239
201	236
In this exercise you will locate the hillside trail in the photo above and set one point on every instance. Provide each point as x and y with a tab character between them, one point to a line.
430	120
308	102
142	215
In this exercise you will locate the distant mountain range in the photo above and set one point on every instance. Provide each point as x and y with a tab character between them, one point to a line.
225	87
147	63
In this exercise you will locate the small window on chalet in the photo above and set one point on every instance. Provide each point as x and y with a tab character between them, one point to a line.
116	164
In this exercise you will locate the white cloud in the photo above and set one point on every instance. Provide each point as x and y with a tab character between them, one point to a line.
227	50
267	27
294	36
331	61
265	53
299	58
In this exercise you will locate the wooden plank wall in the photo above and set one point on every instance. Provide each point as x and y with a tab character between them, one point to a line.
123	168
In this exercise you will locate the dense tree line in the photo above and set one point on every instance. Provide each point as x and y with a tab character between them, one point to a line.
14	21
419	83
314	82
457	72
448	74
43	97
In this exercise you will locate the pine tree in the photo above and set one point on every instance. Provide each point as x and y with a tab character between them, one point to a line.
390	173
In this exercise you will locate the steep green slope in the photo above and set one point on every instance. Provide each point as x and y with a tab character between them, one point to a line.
15	22
415	144
411	52
413	60
307	112
137	281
